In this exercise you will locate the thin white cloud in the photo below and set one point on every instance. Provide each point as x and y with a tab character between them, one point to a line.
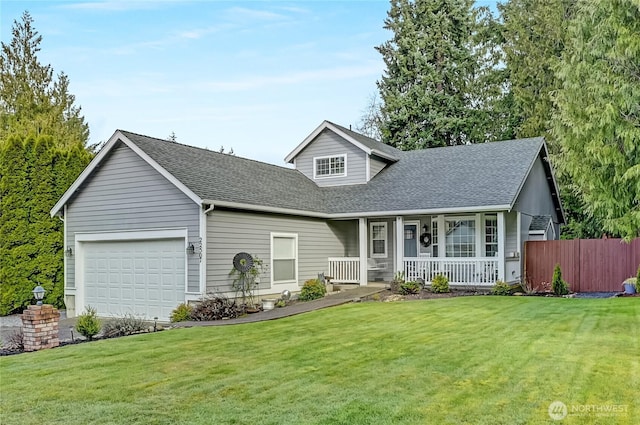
255	14
315	76
116	5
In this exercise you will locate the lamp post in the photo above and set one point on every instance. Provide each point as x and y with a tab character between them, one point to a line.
38	293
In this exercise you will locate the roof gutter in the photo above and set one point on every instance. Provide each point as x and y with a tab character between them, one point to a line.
262	208
315	214
434	211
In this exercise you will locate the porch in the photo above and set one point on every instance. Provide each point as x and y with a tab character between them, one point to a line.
481	271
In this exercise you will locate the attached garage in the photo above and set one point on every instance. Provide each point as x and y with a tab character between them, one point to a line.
144	277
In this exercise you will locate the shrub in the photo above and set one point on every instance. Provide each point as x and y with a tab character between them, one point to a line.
181	313
440	284
407	288
638	277
558	285
527	287
398	280
88	323
15	340
501	288
312	290
125	325
215	308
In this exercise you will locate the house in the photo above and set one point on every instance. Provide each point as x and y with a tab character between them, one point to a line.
152	223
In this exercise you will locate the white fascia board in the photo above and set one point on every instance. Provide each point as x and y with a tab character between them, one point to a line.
177	183
86	173
381	154
327	125
305	142
118	136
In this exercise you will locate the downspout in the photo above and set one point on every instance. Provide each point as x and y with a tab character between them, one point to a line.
203	248
63	219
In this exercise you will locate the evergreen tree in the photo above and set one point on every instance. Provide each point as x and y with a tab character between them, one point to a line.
535	34
32	101
34	173
535	38
597	123
443	84
427	60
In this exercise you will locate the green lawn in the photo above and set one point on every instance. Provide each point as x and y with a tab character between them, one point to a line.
476	360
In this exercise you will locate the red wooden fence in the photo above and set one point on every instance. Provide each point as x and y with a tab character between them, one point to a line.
588	265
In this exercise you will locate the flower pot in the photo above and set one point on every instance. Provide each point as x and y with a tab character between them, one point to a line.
629	288
268	304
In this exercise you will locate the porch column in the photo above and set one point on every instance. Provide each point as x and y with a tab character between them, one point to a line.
399	245
362	244
501	245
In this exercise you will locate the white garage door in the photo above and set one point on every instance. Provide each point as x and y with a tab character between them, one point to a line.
142	277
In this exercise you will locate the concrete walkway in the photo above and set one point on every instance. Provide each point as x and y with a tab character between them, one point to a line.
66	326
331	300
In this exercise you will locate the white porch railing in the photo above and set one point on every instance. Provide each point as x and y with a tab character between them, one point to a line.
460	271
344	269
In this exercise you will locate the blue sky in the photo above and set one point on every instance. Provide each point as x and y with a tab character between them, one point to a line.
254	76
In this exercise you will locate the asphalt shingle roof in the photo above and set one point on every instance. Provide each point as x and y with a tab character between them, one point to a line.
539	222
371	143
461	177
216	176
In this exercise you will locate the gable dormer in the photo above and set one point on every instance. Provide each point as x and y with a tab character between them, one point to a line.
333	156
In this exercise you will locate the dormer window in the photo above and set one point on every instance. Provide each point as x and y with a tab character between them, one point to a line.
330	166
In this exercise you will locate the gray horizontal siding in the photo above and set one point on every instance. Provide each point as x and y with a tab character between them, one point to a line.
126	193
327	144
535	196
230	232
376	166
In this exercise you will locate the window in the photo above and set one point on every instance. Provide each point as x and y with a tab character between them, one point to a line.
490	236
378	240
330	166
284	257
460	238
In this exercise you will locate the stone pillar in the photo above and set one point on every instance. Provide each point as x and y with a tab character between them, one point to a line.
40	327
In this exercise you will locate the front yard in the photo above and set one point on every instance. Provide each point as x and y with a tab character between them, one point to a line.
476	360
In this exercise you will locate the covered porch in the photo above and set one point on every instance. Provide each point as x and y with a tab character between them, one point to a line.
469	249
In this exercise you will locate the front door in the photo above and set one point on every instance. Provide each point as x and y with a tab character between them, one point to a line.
411	239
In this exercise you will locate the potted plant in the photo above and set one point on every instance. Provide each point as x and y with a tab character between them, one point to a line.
630	285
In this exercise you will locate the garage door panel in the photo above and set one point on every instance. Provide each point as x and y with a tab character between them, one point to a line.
142	277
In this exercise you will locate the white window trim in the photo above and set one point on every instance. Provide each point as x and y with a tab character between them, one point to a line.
293	236
386	239
477	232
486	217
329	176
